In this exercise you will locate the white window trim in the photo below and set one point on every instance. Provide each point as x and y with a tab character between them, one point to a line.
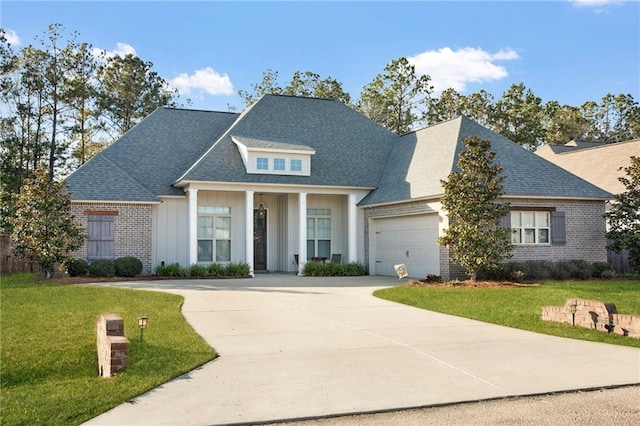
535	227
215	212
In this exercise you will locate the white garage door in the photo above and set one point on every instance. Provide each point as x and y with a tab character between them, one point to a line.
411	240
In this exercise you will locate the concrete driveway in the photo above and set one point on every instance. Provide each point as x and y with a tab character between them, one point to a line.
294	347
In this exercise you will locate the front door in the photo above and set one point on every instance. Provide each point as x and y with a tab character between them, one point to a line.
259	240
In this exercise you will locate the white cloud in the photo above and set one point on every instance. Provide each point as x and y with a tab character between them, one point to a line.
206	79
593	3
12	37
122	49
455	69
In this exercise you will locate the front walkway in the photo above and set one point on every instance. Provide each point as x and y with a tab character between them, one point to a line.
293	347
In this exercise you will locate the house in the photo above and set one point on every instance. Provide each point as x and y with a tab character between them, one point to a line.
292	179
600	164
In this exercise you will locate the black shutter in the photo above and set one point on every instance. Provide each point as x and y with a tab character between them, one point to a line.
505	221
558	228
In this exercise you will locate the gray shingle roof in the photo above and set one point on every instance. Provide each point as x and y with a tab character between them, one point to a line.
425	157
351	150
265	144
146	160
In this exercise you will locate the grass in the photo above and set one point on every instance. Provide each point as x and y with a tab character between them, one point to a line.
48	349
521	307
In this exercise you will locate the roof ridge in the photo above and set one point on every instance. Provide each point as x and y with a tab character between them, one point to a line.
214	144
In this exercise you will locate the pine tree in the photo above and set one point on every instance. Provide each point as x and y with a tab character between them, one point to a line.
475	238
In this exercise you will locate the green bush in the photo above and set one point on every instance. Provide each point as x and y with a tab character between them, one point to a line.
77	267
575	268
433	278
601	270
236	270
128	266
215	270
102	268
319	269
198	271
170	270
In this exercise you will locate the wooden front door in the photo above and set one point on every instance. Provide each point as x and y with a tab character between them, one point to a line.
259	240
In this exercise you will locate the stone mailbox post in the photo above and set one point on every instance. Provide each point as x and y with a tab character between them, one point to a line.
113	347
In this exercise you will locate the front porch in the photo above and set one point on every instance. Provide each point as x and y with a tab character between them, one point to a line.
271	229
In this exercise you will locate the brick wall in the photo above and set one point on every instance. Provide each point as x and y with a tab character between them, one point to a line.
584	222
132	234
585	232
595	315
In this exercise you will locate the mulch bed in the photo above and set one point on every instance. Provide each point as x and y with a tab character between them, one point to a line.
469	283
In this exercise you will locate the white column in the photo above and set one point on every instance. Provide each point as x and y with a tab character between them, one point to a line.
353	228
302	231
193	226
248	226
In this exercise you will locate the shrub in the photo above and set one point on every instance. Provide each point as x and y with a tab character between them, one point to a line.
198	271
128	266
576	268
599	268
536	269
77	267
319	269
236	269
433	278
102	268
215	270
170	270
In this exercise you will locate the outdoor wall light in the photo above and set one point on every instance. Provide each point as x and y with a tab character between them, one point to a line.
262	207
574	308
142	323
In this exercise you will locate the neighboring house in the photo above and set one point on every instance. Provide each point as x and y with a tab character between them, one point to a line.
600	164
292	179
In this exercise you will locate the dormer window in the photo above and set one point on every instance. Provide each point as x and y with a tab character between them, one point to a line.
296	165
274	157
262	163
278	164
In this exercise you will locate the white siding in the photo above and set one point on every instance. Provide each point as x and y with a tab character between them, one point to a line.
170	233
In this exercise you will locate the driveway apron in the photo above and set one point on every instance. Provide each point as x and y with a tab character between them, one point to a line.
300	347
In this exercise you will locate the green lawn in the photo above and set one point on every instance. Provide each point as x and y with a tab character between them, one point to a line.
48	349
521	307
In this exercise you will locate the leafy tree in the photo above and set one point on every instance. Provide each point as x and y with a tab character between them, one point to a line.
268	85
474	237
397	98
449	105
624	216
614	119
519	116
310	84
129	91
306	83
43	227
563	123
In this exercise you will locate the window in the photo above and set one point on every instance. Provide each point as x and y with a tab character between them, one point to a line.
100	242
278	164
296	165
263	163
318	233
214	234
530	227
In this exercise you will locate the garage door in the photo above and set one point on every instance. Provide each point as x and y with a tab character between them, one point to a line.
411	240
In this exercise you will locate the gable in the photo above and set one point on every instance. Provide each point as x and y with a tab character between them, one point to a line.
425	157
270	157
145	161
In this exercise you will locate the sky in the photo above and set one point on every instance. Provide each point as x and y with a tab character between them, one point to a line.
570	51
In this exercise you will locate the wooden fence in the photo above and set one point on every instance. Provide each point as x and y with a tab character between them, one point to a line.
619	261
9	263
